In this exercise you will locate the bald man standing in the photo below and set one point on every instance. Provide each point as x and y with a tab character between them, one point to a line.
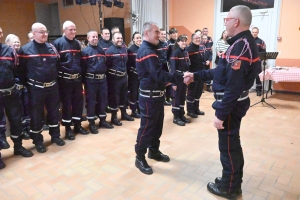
38	71
70	80
233	78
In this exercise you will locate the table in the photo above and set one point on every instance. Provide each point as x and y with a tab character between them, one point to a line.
280	74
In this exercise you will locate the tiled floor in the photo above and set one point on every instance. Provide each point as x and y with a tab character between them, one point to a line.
102	166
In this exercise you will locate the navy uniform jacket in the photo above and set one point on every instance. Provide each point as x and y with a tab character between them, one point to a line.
179	62
105	44
7	62
38	62
195	58
93	62
205	52
162	51
261	45
171	44
116	58
151	76
70	53
131	63
234	78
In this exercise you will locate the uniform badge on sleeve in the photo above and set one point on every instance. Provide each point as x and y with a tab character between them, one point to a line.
236	65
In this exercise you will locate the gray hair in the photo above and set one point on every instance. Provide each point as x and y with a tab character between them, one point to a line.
148	25
243	13
67	24
90	31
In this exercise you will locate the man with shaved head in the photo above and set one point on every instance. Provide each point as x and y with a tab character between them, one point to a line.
233	78
70	80
38	71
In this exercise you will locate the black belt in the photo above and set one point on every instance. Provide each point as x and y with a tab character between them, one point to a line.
95	76
41	84
8	91
151	93
116	73
69	76
219	95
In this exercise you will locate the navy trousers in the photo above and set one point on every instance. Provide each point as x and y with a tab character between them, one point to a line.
70	92
193	96
179	96
231	153
133	87
118	88
96	99
151	125
169	87
38	99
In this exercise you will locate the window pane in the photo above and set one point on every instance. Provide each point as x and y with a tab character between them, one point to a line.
68	2
252	4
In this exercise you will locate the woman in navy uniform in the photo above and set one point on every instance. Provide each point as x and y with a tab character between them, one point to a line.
179	62
133	80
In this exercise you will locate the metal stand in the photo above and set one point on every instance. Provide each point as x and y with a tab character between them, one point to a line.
264	56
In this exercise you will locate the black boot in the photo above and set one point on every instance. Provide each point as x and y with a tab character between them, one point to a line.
158	156
184	119
79	129
125	116
217	190
135	114
19	149
114	119
4	144
104	124
218	181
69	133
167	102
2	165
177	120
258	92
26	135
192	114
199	112
143	166
92	127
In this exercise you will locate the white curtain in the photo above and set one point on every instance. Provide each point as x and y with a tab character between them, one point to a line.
148	10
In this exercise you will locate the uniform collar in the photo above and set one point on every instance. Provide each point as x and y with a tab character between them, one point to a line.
238	36
68	39
150	44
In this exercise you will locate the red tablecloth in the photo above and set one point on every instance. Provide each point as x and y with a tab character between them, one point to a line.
282	74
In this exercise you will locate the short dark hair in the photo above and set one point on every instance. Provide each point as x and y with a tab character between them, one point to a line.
104	29
173	30
135	34
116	33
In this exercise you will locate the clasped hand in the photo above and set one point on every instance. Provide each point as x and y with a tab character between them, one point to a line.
188	77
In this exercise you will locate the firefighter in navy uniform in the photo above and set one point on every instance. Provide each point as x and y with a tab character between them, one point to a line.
233	78
9	100
38	71
70	80
133	80
205	46
105	42
94	72
162	52
261	47
116	59
179	64
194	89
153	81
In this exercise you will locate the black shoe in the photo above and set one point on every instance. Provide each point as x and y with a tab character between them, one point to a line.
116	122
143	166
58	141
107	110
213	188
22	152
26	135
218	181
258	93
83	118
135	114
158	156
81	130
184	119
199	112
167	103
70	135
179	122
46	127
2	165
93	129
105	124
125	116
192	115
4	144
40	148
